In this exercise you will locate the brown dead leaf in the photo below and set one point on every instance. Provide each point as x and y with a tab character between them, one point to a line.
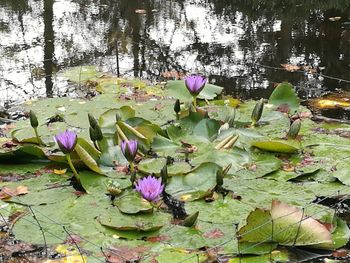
213	234
309	69
340	253
284	108
124	254
158	239
158	106
288	167
73	239
173	74
7	193
290	67
121	168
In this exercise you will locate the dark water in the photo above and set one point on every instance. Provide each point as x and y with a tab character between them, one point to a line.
237	43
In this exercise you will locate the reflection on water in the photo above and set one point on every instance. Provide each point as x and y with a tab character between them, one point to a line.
237	43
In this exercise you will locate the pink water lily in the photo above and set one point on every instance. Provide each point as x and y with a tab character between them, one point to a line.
66	141
150	188
195	84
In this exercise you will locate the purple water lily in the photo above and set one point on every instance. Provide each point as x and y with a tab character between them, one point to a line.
195	84
150	188
66	141
129	149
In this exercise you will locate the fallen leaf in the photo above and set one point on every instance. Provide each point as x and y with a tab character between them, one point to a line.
341	253
284	108
7	193
158	106
158	239
123	254
213	234
59	171
290	67
173	74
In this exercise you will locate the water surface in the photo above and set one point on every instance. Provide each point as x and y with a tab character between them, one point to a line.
239	44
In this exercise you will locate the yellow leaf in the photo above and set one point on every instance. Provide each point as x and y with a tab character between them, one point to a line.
69	259
59	171
185	197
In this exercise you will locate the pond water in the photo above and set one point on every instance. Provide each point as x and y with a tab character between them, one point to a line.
239	44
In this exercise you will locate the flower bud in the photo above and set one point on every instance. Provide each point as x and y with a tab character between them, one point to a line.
92	121
257	112
98	133
294	129
164	174
33	119
177	108
191	219
117	117
129	149
92	134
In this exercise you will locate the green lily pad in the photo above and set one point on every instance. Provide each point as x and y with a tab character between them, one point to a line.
113	218
285	225
284	94
177	89
282	146
195	185
132	203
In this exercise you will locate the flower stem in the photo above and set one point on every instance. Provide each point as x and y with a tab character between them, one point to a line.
72	167
40	142
195	103
132	167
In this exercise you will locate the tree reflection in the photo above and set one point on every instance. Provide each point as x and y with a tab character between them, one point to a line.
269	33
49	46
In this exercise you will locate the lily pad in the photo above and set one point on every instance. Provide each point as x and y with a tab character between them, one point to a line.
195	185
177	89
284	94
113	218
282	146
132	203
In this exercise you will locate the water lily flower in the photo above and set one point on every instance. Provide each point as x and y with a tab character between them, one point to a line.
150	188
195	85
66	141
129	149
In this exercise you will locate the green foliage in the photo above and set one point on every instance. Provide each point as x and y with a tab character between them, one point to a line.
262	166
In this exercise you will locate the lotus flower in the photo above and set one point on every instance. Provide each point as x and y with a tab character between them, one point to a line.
150	188
195	84
66	141
129	149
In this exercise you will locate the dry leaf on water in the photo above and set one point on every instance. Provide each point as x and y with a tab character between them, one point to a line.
7	193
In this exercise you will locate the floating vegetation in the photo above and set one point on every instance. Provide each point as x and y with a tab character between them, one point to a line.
162	174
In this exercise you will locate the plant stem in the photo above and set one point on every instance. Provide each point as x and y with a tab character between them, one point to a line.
40	142
132	167
72	167
195	103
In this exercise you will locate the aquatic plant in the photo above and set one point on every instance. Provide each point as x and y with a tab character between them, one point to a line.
195	84
66	142
150	188
129	149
